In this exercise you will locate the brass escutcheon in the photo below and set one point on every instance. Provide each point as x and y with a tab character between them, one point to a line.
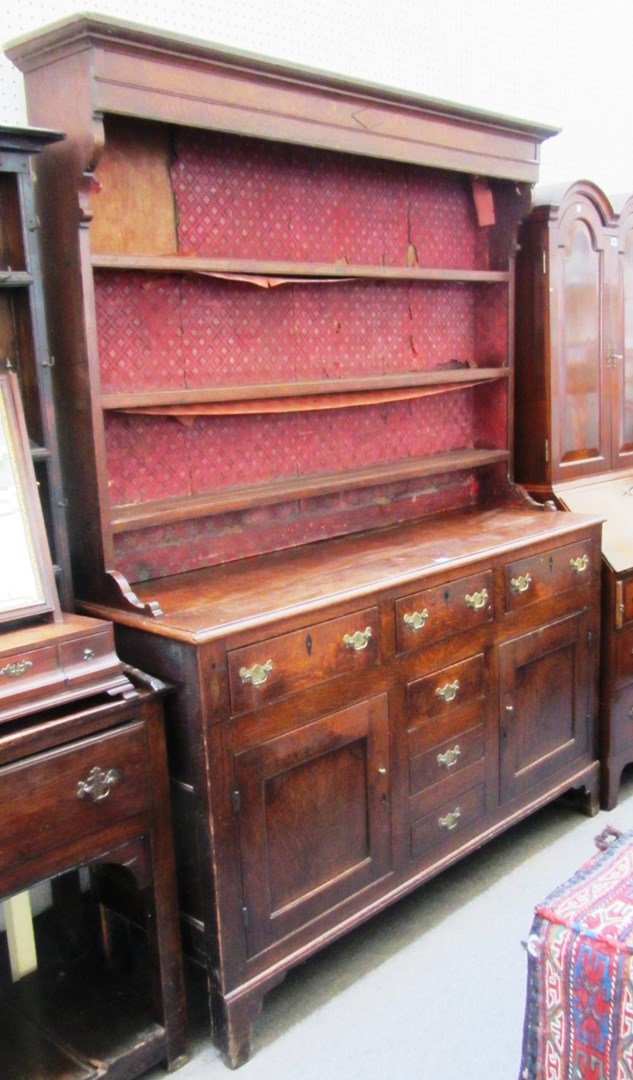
521	584
449	757
450	821
477	600
357	641
448	692
416	620
15	670
580	564
257	674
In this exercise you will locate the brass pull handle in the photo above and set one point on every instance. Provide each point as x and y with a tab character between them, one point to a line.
99	784
416	619
382	770
449	757
450	820
448	692
477	600
88	654
15	670
580	564
357	641
257	674
521	584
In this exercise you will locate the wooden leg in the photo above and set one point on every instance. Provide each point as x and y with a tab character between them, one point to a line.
232	1026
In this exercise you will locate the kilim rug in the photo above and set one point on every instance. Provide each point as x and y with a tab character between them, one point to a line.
579	1008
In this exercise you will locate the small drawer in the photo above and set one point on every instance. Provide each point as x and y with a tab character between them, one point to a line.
446	692
90	657
624	657
446	759
28	675
543	576
442	826
428	616
55	798
273	669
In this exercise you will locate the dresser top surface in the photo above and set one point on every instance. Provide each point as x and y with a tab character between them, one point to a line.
210	603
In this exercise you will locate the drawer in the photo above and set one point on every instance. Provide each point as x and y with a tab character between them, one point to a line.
548	574
445	759
272	669
53	799
624	657
445	824
30	674
432	614
446	693
89	657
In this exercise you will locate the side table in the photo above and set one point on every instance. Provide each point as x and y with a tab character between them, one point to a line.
85	788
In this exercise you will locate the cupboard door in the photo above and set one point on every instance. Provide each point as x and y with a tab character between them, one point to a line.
546	699
580	259
620	350
314	819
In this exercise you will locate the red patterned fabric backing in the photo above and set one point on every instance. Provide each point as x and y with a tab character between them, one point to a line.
579	1011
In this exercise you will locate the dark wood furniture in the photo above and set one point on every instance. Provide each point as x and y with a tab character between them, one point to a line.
287	325
574	444
86	786
24	346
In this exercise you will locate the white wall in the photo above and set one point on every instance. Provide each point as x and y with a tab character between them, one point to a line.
566	63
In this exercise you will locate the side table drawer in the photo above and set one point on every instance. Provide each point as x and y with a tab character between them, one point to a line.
428	616
272	669
60	796
441	826
543	576
28	674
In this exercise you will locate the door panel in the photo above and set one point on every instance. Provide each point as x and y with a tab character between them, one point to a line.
545	702
314	818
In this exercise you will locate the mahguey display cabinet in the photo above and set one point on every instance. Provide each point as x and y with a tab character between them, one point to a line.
287	329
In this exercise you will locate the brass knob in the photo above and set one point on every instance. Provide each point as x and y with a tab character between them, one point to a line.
357	641
521	584
448	692
450	820
99	784
477	600
257	674
416	619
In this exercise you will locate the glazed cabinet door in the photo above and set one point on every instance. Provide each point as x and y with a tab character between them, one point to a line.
620	353
580	259
546	701
314	818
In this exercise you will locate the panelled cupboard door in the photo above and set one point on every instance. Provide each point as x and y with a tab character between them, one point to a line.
622	354
581	259
546	701
314	818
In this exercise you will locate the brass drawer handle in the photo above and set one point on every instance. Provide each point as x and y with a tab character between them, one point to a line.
450	821
88	654
477	600
357	641
448	692
521	584
415	620
15	670
580	564
257	674
449	757
99	784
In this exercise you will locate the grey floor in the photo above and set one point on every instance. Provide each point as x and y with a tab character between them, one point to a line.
433	988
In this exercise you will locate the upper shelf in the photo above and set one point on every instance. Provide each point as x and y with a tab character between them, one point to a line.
284	269
13	279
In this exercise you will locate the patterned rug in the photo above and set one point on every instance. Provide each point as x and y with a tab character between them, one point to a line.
579	1009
